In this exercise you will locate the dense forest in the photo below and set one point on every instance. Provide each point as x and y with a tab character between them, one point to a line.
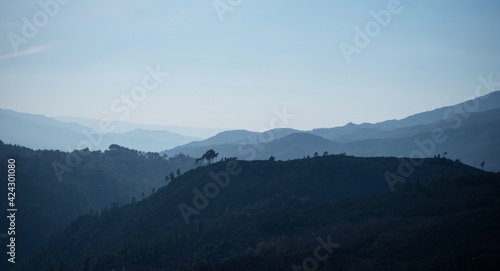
331	212
54	188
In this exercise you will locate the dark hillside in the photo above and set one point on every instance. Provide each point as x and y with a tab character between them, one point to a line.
90	182
269	213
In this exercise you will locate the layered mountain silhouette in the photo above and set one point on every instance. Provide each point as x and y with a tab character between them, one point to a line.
266	200
470	129
468	132
352	132
41	132
123	126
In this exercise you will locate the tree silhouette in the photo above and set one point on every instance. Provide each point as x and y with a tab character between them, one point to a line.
178	172
325	153
316	154
209	156
482	165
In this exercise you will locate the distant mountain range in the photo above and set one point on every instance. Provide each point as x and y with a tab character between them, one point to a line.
41	132
394	128
121	127
471	130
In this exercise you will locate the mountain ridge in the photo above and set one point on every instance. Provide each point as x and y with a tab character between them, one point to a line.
484	103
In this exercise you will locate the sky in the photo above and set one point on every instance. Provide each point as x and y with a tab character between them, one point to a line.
234	63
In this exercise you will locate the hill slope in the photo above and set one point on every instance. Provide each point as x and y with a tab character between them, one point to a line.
51	192
257	217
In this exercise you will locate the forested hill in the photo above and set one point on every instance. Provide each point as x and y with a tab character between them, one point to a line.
267	215
53	188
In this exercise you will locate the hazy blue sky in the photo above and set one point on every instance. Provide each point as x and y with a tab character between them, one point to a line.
264	55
